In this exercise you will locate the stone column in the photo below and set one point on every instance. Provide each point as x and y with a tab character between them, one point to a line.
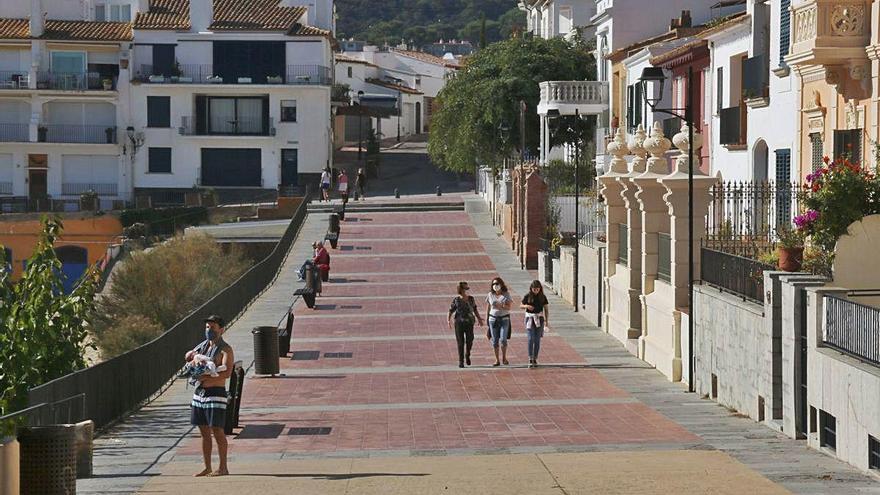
676	197
615	214
634	236
535	222
654	214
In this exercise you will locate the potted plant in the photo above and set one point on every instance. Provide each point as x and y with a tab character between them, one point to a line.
790	250
175	71
88	201
273	79
108	83
110	132
42	133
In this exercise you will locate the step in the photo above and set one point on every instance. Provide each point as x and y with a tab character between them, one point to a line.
388	207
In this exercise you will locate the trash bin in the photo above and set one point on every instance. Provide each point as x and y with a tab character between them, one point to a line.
48	459
284	335
340	210
236	385
85	434
265	350
313	282
334	222
333	237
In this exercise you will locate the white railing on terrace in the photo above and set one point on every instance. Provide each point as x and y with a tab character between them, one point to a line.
574	92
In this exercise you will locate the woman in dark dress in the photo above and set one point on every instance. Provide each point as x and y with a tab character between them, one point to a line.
464	310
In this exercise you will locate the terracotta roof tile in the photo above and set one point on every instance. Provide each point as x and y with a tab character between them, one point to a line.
255	15
303	30
87	31
427	57
391	85
14	29
352	60
164	14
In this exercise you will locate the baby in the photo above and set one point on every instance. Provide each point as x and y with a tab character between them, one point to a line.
198	365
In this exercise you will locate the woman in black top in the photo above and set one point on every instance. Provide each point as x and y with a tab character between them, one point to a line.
537	318
464	309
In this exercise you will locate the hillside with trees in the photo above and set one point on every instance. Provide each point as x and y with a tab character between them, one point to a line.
418	22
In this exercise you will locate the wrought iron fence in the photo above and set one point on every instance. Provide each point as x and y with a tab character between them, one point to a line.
732	273
64	133
664	257
591	224
190	126
18	133
5	187
14	79
115	387
104	189
204	74
71	81
852	327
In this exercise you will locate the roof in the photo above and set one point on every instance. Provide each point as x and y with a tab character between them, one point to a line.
427	57
248	15
690	46
725	23
397	87
352	60
164	14
87	31
14	29
676	33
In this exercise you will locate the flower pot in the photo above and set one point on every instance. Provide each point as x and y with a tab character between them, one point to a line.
790	259
108	85
9	466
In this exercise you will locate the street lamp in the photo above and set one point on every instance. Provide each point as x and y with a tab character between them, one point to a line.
655	75
360	95
552	117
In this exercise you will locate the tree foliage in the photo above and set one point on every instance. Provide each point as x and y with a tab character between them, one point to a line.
43	332
482	98
425	21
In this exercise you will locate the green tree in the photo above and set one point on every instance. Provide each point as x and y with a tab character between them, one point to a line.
483	96
483	31
43	332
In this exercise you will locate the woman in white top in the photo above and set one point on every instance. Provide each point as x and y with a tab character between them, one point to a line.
325	184
498	309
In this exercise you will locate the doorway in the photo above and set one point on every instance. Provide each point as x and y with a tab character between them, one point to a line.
289	167
418	117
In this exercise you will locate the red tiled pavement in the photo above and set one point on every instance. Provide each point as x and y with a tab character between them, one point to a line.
342	264
408	218
379	248
357	231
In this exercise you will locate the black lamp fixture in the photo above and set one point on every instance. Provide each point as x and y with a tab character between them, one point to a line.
653	75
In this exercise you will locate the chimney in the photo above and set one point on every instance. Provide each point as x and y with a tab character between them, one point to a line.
37	21
684	21
201	14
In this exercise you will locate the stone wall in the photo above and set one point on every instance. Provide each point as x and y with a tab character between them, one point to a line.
564	284
590	264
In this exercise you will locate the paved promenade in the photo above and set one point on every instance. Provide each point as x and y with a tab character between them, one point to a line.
376	377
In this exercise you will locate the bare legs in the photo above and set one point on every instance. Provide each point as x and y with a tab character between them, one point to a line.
222	448
207	446
205	431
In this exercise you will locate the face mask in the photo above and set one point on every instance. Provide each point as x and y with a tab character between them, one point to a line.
496	287
210	334
467	293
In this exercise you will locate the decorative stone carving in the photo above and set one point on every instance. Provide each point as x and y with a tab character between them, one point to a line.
618	150
657	145
805	24
636	148
815	113
854	115
857	72
847	20
681	141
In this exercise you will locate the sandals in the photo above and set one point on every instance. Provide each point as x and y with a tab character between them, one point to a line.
496	364
505	362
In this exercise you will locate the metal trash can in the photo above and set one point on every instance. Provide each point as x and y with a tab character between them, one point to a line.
236	385
284	335
85	434
333	237
265	350
48	460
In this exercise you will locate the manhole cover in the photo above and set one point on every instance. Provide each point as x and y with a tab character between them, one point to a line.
317	430
261	432
305	355
345	355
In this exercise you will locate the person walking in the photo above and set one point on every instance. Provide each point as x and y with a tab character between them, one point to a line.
537	319
208	405
360	182
342	182
464	309
498	308
325	184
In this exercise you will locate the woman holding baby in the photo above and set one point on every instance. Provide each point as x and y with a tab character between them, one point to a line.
209	400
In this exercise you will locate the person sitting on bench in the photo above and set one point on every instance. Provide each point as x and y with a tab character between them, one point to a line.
322	260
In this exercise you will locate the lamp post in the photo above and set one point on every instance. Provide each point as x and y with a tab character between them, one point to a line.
656	75
360	123
552	116
502	134
522	183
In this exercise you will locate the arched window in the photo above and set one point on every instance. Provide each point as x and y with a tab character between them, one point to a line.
72	254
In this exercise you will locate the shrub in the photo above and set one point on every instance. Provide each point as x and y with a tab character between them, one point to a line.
162	286
165	220
135	231
126	333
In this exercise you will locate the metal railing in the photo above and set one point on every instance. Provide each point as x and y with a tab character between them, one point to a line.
852	328
104	189
18	133
204	74
14	79
735	274
622	244
733	126
756	77
115	387
189	126
72	133
70	81
664	257
65	411
6	187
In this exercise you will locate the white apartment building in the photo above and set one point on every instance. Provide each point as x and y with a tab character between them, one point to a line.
155	97
552	18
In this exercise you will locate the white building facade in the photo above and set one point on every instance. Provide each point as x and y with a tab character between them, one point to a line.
552	18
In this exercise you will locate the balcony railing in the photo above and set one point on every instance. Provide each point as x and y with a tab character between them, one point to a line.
829	32
204	74
852	328
238	127
64	133
590	97
664	257
102	189
14	133
6	188
733	126
71	81
756	77
14	79
735	274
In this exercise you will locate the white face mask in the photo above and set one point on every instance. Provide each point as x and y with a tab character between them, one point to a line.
496	287
467	293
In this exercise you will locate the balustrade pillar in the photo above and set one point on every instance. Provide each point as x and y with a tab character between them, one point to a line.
634	236
614	315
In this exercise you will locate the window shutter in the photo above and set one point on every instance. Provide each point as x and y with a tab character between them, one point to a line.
159	160
816	142
855	138
720	93
638	104
784	29
99	13
629	107
783	188
158	111
201	114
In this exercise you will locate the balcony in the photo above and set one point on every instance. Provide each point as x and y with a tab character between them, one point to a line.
190	126
77	188
204	74
829	32
14	79
733	127
585	97
72	133
14	133
756	81
74	81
